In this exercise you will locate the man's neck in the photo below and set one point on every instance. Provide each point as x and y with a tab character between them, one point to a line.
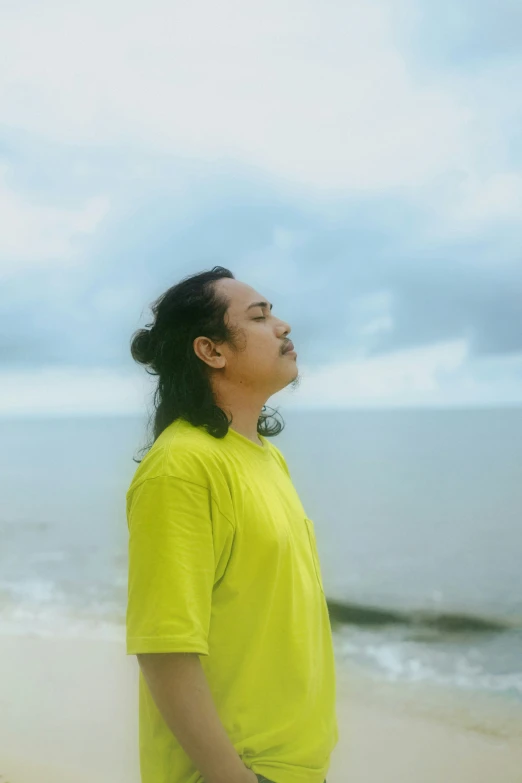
244	410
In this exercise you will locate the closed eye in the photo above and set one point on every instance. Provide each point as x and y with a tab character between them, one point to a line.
260	318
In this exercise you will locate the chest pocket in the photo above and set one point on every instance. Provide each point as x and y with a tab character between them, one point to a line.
313	546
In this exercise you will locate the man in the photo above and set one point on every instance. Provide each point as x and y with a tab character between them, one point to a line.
226	609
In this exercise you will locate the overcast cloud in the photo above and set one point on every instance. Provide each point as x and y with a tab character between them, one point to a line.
360	164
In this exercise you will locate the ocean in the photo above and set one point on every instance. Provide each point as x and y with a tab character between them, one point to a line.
418	518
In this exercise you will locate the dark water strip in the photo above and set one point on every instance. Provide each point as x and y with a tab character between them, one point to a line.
346	613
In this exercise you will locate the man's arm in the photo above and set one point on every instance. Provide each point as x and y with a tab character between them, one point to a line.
180	689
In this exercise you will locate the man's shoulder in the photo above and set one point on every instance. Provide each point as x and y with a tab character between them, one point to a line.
182	451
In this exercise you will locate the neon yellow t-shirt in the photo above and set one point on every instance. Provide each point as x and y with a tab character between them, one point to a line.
223	562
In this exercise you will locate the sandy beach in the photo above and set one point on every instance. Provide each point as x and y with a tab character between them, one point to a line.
69	715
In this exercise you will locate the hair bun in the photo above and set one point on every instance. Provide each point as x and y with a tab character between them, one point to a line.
142	346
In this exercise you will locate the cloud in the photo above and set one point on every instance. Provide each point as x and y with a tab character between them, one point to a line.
35	233
463	33
371	189
317	95
363	286
74	390
476	204
399	375
432	376
440	375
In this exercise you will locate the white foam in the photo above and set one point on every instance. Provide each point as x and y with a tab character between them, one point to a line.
403	661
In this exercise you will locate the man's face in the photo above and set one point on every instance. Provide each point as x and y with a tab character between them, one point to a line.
257	361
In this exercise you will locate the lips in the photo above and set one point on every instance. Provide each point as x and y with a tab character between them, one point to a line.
289	347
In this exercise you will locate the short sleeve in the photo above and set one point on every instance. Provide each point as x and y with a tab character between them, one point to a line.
171	566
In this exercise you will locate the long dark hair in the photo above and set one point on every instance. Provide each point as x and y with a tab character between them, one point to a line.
190	309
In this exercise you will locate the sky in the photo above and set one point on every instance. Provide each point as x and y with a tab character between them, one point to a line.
359	164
